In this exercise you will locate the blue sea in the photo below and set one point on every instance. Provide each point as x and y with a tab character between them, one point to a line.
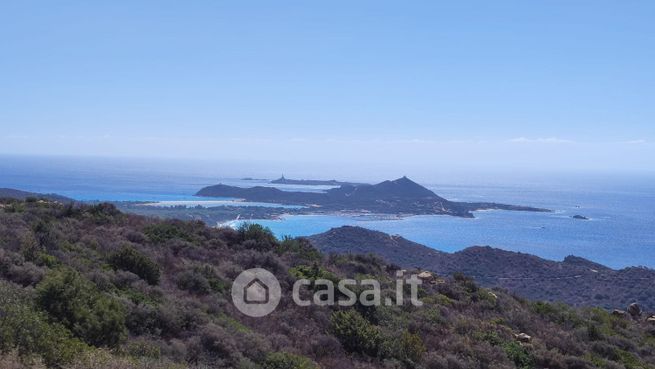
620	232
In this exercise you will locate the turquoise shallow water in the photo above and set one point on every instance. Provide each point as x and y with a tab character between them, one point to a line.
621	231
552	236
216	202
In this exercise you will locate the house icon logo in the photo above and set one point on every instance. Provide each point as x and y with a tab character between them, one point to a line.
256	292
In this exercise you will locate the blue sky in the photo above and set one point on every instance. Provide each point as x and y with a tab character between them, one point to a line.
515	84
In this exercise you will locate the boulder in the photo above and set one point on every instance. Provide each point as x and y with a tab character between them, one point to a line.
634	310
425	276
522	337
619	313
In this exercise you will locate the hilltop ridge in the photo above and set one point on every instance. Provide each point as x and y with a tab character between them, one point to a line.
11	193
575	280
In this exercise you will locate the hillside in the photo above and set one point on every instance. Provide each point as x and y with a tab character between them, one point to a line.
10	193
574	280
90	287
400	196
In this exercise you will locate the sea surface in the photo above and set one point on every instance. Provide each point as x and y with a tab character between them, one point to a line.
620	232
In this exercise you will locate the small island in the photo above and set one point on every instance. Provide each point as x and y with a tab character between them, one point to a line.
313	182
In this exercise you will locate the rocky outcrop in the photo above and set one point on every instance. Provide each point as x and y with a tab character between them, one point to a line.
426	277
619	313
523	337
634	310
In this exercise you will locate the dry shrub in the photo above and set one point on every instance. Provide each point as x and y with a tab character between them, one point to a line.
11	360
101	359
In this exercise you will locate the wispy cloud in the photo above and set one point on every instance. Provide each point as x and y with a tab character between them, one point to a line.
635	142
546	140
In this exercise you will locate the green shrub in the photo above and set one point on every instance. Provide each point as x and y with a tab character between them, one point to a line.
103	209
285	360
467	282
356	333
130	259
629	360
44	259
256	232
217	284
140	297
519	355
46	237
593	332
409	348
103	213
162	232
298	247
75	302
201	280
557	312
27	331
312	273
489	336
192	281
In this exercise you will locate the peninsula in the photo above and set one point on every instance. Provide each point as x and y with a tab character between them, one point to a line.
400	197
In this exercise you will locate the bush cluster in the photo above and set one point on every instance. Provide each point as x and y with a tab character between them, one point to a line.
76	303
131	260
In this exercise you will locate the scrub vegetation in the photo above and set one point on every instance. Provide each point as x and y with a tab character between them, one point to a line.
91	287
